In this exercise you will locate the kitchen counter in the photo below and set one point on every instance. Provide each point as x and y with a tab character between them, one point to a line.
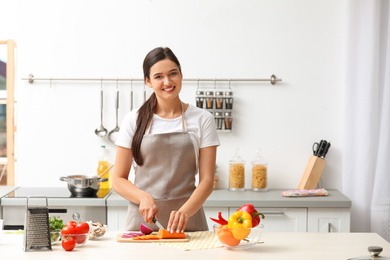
271	198
319	246
4	190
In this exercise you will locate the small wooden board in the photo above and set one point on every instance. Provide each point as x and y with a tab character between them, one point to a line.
119	238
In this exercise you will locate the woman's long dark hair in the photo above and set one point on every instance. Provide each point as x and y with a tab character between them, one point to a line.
145	113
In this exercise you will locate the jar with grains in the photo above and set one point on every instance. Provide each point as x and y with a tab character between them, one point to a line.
209	99
259	173
237	172
199	99
218	100
229	99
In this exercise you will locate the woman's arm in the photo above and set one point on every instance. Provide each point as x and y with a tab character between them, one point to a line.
178	219
125	188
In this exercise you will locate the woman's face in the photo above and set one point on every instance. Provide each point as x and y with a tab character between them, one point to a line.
165	79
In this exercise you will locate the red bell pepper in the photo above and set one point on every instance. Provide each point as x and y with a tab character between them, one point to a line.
253	212
220	219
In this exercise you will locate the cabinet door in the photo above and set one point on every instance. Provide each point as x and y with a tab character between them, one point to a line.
213	212
284	219
116	218
329	220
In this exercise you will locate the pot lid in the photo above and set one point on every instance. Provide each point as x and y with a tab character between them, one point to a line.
374	251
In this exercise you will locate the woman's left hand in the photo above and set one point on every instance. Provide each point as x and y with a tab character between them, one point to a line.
177	221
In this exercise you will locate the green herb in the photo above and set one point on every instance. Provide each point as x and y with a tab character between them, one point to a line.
56	224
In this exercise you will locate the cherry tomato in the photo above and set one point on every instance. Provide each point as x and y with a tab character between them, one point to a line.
68	244
68	230
71	223
82	228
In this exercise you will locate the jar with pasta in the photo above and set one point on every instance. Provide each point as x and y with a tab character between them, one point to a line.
237	172
259	173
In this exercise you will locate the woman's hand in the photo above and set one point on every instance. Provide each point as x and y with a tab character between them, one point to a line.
148	208
177	221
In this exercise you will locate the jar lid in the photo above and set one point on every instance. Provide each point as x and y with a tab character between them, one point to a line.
259	158
229	93
228	113
237	157
218	114
219	93
199	93
209	93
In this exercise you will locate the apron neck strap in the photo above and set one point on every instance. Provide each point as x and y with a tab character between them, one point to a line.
183	121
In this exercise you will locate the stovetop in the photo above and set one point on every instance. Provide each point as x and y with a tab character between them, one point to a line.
54	192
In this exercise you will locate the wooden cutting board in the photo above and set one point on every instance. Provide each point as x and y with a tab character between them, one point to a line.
119	238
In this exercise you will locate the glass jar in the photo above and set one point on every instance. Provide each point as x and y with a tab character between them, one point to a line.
237	172
199	99
229	99
259	173
218	120
228	120
209	99
219	100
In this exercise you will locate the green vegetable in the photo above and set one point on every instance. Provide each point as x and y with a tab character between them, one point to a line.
56	224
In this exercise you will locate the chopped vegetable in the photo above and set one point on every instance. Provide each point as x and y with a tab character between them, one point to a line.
253	212
163	233
146	237
240	223
220	219
145	229
131	235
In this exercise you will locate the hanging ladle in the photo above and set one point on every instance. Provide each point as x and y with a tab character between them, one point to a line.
101	131
112	134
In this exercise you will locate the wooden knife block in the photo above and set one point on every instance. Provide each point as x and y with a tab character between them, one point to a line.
312	174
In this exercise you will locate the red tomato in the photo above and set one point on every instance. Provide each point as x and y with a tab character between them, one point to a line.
71	223
68	244
68	230
82	228
80	238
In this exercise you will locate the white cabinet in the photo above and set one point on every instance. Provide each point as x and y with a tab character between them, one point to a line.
116	218
328	220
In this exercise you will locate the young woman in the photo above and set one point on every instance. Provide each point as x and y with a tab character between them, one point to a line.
168	142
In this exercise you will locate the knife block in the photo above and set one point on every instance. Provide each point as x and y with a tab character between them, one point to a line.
312	173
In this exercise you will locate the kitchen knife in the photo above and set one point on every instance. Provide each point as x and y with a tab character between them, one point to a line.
326	149
155	221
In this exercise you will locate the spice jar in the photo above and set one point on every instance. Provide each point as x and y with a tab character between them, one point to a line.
229	100
259	173
228	120
199	99
209	99
237	172
218	100
218	120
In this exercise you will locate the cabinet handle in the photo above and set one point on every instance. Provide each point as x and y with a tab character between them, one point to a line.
274	214
329	227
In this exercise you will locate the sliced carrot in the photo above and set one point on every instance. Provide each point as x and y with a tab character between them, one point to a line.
146	237
163	233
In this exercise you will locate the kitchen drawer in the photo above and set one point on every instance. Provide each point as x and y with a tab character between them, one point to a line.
284	219
116	218
328	220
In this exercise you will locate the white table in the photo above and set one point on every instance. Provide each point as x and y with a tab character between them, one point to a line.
276	246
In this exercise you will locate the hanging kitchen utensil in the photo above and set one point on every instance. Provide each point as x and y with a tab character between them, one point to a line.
112	135
374	251
131	95
101	131
36	228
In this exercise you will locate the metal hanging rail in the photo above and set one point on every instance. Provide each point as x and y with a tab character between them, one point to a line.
273	79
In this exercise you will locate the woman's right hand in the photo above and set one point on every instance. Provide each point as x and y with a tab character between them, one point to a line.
148	208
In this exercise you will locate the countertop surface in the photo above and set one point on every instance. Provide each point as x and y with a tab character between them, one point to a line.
319	246
4	190
271	198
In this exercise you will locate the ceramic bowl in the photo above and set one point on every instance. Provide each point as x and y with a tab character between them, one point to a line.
238	238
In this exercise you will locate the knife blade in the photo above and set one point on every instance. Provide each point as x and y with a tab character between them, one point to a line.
158	224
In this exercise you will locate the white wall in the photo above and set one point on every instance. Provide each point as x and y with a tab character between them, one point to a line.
300	41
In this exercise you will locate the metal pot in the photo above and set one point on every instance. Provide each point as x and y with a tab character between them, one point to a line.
82	185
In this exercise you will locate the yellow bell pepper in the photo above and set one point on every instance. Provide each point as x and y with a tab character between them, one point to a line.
240	223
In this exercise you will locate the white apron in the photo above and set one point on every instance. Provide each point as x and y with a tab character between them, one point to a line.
168	174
